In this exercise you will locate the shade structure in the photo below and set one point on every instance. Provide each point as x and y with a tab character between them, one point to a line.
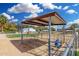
44	20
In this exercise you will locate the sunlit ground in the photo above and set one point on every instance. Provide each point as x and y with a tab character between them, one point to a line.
37	45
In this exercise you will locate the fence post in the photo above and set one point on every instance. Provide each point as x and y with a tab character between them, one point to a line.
21	29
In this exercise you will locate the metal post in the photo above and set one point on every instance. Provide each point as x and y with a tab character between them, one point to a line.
49	37
63	34
21	29
72	48
75	41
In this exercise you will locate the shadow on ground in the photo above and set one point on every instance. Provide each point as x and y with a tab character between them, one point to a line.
28	44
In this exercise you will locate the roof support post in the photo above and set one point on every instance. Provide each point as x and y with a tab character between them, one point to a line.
75	40
64	34
49	36
73	48
21	29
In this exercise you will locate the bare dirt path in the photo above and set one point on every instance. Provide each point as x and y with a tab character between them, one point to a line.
7	48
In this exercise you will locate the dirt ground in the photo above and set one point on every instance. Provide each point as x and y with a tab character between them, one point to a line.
31	47
7	48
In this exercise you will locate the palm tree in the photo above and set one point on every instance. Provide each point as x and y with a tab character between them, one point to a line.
3	21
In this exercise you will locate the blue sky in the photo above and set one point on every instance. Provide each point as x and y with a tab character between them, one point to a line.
16	12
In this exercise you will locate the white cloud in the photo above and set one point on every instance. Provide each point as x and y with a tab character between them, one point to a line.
59	7
76	21
27	8
75	5
66	7
14	20
48	5
8	16
71	11
12	17
53	6
72	22
32	15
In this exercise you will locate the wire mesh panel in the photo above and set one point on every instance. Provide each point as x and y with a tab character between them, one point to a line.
71	47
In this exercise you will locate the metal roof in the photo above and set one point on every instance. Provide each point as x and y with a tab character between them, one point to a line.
43	20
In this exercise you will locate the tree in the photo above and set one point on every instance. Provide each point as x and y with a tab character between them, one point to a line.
13	27
73	26
10	27
3	21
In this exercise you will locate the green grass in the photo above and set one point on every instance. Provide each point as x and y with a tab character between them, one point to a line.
19	35
77	53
